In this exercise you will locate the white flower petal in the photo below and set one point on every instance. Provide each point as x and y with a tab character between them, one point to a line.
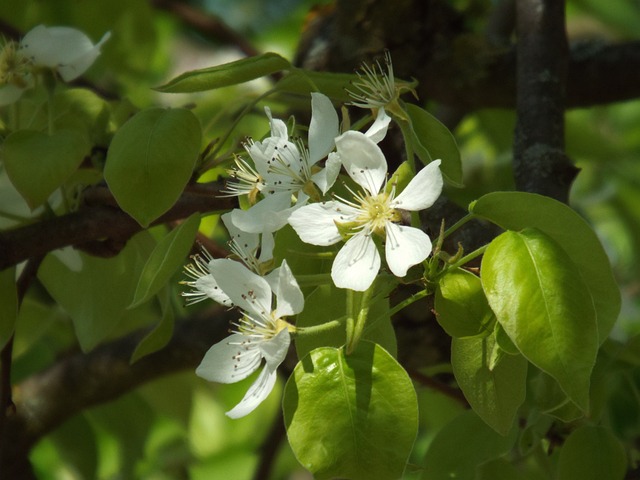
258	391
326	177
378	129
356	264
66	49
247	290
274	351
278	127
405	247
423	189
268	215
363	160
247	241
266	249
323	129
315	223
228	361
208	285
289	297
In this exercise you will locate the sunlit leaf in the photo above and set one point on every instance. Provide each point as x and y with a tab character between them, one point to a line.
543	304
373	410
518	210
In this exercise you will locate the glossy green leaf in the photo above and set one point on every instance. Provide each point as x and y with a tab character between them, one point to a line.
8	304
161	333
227	74
352	416
94	291
518	210
167	257
38	164
151	159
461	305
438	142
495	392
325	303
592	453
462	446
547	396
543	304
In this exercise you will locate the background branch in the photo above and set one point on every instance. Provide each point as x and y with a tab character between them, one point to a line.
540	163
45	400
100	227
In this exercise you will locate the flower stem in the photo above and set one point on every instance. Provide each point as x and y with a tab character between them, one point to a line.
396	308
313	280
360	319
458	224
316	329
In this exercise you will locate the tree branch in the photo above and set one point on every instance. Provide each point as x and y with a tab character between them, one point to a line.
45	400
540	163
100	227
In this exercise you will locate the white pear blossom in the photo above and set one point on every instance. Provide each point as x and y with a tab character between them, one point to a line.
262	332
66	50
286	171
255	252
372	211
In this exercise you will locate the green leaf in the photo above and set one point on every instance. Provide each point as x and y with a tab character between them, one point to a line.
549	398
462	446
151	159
168	255
461	305
161	334
8	304
592	453
495	394
82	455
438	142
227	74
351	416
94	291
38	164
541	301
325	303
303	82
518	210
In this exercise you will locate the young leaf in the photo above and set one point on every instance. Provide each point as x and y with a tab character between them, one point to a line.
518	210
461	305
495	394
352	416
166	258
38	164
8	304
161	334
303	82
541	301
463	445
231	73
151	159
592	453
438	142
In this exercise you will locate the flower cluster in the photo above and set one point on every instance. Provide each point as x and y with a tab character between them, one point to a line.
66	51
288	181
